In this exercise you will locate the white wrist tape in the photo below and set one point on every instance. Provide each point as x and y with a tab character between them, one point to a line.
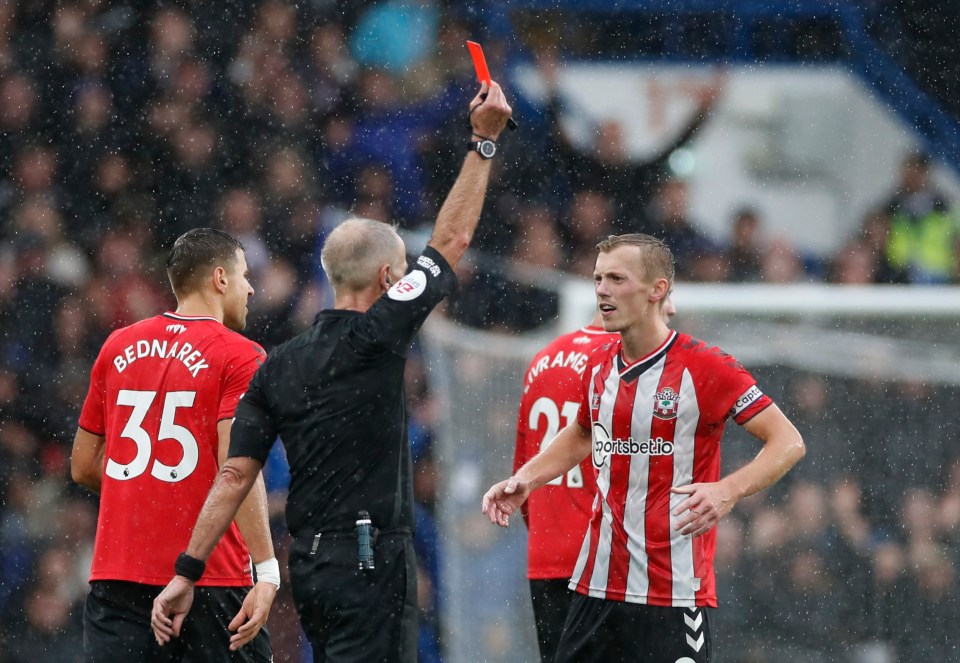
268	571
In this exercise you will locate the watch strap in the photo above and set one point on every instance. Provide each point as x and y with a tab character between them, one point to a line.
478	147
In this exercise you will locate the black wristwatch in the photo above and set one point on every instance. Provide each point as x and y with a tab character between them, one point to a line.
485	148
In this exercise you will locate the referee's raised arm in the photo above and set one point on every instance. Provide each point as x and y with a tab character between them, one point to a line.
460	213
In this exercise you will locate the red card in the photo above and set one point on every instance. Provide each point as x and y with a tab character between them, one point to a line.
479	62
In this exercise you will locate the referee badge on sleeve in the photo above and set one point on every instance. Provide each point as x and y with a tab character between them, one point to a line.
409	287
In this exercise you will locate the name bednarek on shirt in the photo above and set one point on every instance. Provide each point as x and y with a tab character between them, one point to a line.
184	353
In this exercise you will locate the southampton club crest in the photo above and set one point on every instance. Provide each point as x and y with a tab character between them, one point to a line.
665	404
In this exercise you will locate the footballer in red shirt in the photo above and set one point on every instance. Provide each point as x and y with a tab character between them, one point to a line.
152	432
557	515
652	416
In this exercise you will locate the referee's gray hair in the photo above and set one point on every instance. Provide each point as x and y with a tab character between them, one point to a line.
355	250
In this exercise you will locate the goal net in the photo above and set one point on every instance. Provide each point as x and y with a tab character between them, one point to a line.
869	375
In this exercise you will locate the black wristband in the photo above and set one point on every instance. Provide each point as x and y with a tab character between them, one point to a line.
189	567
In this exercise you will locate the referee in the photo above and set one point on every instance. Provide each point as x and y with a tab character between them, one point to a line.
334	395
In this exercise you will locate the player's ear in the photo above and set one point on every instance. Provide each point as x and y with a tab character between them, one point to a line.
661	289
220	279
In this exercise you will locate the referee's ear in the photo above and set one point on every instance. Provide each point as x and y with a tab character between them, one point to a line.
385	280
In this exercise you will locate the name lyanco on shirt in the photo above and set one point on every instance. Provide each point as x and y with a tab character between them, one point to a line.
185	353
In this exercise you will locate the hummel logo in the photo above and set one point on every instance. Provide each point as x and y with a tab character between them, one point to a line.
694	620
176	329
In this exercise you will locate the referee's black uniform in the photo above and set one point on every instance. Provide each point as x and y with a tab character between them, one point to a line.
334	394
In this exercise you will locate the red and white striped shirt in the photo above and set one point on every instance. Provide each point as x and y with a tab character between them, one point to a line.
656	423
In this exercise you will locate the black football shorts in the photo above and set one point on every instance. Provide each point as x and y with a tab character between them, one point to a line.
116	627
599	630
551	603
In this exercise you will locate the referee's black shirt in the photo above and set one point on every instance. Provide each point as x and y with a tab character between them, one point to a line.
334	394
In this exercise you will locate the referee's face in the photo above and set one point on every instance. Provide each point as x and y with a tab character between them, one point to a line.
238	292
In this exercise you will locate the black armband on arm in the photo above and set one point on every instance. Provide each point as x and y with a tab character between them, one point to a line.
189	567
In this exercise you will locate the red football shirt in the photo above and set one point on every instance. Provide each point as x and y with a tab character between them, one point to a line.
557	514
157	390
656	423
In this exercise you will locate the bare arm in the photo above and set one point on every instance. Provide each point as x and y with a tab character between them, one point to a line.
567	449
460	213
709	502
782	449
708	97
237	477
252	518
253	522
86	459
170	608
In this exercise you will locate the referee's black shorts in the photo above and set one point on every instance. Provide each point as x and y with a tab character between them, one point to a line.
354	616
116	627
551	603
598	631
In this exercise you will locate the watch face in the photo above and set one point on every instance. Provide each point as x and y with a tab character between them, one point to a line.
487	148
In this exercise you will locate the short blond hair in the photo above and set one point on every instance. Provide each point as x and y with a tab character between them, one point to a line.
656	259
355	250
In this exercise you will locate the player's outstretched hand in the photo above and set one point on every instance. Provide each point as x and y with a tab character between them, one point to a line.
707	504
489	111
504	499
253	614
170	608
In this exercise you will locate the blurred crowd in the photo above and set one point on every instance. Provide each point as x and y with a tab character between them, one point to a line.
854	558
122	124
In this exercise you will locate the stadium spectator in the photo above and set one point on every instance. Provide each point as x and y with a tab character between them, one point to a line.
710	265
875	236
854	265
288	182
241	216
925	633
923	240
670	221
328	69
606	165
48	628
780	263
592	218
746	246
395	35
